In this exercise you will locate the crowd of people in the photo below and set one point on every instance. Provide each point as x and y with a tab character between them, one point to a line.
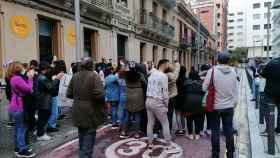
138	99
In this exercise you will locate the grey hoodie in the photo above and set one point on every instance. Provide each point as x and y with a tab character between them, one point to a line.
226	86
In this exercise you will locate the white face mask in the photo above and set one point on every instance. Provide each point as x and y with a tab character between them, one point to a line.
23	72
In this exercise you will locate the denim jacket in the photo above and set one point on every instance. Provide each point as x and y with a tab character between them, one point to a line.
112	88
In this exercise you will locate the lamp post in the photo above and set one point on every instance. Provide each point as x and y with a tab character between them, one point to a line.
78	26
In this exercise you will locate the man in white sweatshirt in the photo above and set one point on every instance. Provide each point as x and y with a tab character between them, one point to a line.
225	83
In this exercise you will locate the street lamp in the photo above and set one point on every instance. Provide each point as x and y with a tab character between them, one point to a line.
78	26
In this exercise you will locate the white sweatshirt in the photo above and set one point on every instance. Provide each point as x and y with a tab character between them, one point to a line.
226	86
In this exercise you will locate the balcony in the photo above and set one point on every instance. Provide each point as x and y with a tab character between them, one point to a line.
102	5
168	3
155	27
184	43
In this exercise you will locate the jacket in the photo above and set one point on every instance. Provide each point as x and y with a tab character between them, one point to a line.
192	96
271	73
172	78
86	89
112	88
180	97
226	84
19	88
135	95
45	90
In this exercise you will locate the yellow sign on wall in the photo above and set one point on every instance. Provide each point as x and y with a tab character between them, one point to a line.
20	26
71	36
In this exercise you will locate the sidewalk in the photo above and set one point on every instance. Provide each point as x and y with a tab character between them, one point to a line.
259	143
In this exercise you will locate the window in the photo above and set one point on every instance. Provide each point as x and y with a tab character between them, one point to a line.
256	27
267	4
231	14
240	26
240	13
218	6
90	43
122	2
239	20
164	15
230	40
218	15
265	48
230	34
231	27
231	21
240	33
265	15
230	47
256	16
266	26
256	5
164	53
218	24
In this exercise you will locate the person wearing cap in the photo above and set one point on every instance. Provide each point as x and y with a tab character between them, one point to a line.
45	90
226	92
88	112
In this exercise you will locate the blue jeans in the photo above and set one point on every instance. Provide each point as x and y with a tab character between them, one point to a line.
86	142
20	130
122	114
137	118
253	88
54	114
226	115
114	106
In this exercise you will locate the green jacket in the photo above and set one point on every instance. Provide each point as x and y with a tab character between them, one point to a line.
87	90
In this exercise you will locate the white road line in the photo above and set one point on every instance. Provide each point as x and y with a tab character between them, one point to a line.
76	140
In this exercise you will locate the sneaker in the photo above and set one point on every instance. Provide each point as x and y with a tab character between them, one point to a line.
263	134
208	132
52	130
25	153
171	150
202	134
115	126
191	137
181	132
45	137
197	137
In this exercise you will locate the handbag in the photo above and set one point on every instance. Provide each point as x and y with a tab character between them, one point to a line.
210	100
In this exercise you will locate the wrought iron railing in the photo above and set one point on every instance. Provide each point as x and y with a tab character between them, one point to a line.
105	4
151	22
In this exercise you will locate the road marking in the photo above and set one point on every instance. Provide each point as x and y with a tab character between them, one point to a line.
76	140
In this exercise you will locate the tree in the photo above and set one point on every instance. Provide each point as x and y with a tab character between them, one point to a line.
238	54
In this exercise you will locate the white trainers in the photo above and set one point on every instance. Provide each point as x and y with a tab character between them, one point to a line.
45	137
196	137
191	137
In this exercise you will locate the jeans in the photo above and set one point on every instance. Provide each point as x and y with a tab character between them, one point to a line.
122	115
180	120
114	108
20	130
43	117
197	120
209	119
171	105
266	111
54	113
253	88
86	142
137	119
226	115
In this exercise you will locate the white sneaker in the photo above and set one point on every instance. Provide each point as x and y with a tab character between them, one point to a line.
197	137
171	150
202	134
45	137
191	137
208	132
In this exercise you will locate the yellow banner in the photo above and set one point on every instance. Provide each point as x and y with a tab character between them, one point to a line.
20	26
71	36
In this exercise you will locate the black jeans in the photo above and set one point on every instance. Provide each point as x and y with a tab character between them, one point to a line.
86	141
208	118
197	120
226	115
171	105
43	118
266	111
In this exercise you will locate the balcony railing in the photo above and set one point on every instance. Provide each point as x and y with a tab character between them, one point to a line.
103	4
156	25
185	43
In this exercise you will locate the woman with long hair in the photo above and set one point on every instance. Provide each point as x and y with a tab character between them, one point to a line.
19	88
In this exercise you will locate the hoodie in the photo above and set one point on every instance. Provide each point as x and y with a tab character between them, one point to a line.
225	84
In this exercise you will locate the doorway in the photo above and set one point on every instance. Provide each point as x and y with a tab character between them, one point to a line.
122	46
142	51
91	43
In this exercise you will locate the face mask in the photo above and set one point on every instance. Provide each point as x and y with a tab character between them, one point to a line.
23	72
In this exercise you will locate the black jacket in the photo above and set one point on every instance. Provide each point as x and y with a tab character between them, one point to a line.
46	89
271	73
192	96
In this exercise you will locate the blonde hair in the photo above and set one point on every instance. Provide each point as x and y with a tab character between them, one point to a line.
14	68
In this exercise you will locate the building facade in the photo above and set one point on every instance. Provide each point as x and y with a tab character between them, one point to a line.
248	28
142	30
275	29
213	14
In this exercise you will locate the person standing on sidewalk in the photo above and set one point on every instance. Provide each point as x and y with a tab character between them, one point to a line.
88	111
271	73
226	93
46	89
19	88
157	103
172	90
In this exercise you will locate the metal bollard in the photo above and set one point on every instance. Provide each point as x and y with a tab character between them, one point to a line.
270	129
262	108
